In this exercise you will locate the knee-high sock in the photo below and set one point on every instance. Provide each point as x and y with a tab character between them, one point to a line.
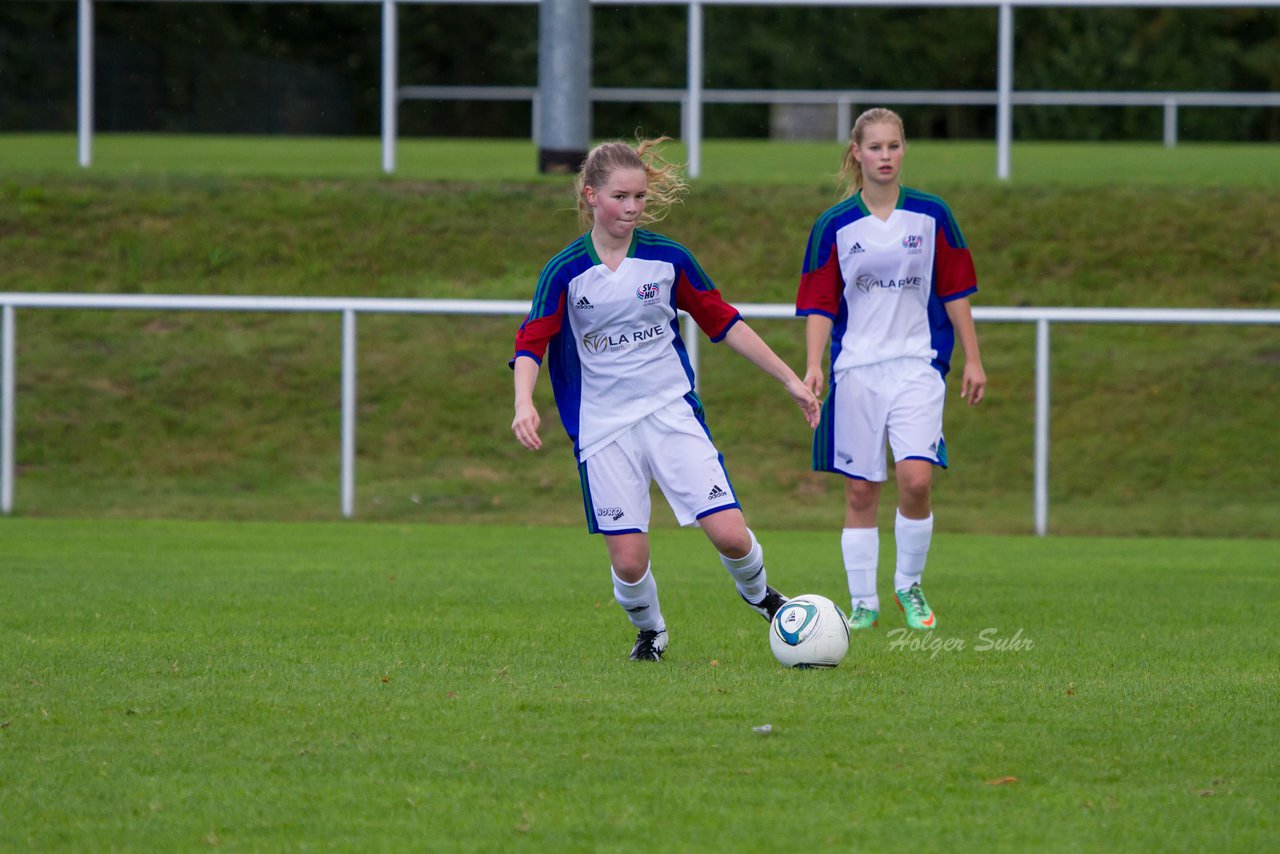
748	571
914	537
861	550
640	601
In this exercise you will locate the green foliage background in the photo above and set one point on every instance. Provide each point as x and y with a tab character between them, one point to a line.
315	67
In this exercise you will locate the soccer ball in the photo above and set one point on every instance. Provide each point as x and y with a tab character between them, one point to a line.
809	631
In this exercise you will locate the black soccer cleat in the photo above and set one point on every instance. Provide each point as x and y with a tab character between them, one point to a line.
649	645
769	605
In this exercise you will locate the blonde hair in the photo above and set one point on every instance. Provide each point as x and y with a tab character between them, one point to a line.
666	185
850	177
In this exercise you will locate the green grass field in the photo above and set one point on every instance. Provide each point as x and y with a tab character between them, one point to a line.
169	686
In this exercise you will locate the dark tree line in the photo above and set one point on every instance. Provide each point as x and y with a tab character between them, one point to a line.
315	67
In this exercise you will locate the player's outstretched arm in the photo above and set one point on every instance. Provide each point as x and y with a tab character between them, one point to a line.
744	341
526	422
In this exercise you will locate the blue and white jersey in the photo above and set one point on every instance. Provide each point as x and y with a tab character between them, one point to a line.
616	354
884	283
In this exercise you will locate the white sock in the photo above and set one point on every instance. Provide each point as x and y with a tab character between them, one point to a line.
748	572
913	536
861	549
640	601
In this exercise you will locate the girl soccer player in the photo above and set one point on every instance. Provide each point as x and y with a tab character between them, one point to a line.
886	280
606	308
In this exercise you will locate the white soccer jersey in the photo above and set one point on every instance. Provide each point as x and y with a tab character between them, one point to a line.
883	283
614	335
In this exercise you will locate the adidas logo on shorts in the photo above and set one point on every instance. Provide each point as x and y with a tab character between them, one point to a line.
716	492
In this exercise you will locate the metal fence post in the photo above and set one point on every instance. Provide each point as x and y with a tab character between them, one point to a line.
693	112
348	413
390	93
564	85
7	388
1004	99
84	94
1042	428
844	119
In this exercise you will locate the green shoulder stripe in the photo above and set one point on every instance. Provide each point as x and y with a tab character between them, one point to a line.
820	226
650	238
571	253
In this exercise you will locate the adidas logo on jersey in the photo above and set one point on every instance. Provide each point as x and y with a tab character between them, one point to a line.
583	304
857	249
716	492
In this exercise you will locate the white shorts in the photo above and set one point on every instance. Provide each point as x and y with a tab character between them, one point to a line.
899	401
673	447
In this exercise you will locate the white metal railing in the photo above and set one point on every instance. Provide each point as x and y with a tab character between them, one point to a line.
349	307
693	96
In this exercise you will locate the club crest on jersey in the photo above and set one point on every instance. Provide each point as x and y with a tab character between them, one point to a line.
913	243
648	292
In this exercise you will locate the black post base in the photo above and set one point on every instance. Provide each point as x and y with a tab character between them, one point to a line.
559	162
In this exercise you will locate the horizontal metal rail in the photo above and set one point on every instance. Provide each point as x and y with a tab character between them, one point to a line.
844	99
349	307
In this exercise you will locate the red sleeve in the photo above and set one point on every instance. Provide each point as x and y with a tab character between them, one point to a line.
953	272
708	309
535	333
821	288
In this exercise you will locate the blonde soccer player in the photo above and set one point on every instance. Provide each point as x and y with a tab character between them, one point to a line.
885	286
604	315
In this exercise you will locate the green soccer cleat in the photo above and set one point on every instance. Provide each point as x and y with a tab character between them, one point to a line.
863	618
912	603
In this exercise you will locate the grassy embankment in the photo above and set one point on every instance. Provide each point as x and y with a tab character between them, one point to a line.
1166	430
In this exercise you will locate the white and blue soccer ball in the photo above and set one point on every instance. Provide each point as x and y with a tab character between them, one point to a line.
809	631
